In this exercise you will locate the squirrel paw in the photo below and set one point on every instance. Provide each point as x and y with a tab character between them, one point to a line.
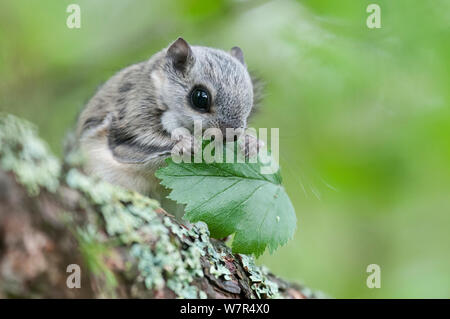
186	145
250	145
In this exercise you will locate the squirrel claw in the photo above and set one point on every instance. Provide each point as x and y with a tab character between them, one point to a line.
187	145
250	145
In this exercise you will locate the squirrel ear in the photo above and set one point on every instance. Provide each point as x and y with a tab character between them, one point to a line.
180	53
238	54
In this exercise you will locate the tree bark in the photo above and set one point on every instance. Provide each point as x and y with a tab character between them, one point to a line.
53	216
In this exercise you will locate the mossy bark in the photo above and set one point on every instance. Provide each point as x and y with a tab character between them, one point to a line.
53	216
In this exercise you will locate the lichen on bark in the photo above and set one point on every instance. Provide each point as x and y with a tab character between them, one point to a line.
23	153
127	245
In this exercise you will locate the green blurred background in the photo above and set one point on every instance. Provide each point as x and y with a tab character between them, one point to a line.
363	115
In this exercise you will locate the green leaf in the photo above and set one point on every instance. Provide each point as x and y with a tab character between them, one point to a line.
234	198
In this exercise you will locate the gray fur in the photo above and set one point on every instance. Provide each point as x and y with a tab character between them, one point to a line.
125	129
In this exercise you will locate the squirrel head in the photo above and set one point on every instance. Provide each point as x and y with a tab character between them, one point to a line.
176	88
204	84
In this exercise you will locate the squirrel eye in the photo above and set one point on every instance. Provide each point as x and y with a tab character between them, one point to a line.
200	99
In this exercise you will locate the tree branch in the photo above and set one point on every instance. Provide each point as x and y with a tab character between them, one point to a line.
126	245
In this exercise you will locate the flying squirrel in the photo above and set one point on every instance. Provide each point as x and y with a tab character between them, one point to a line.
126	130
